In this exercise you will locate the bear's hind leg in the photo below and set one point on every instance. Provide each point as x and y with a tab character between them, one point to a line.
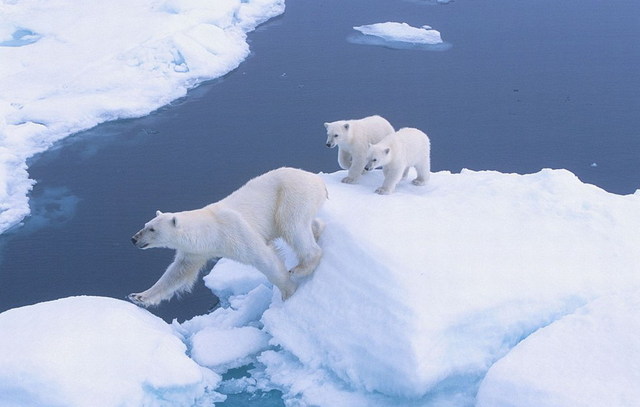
304	243
267	261
318	228
423	174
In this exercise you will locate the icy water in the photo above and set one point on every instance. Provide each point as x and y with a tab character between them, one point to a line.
523	86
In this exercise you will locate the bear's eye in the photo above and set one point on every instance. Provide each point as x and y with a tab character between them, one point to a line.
335	136
374	160
152	230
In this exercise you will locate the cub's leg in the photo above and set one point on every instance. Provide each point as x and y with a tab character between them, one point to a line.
344	159
356	170
391	179
424	173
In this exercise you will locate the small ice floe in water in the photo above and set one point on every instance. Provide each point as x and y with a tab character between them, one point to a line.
399	36
430	2
594	165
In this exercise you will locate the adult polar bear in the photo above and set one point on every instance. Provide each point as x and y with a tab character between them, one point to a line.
282	203
353	138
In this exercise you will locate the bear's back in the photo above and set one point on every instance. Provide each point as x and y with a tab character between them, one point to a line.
261	197
413	142
374	128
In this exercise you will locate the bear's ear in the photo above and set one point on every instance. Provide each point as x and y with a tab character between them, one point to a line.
174	221
346	126
326	125
158	213
386	150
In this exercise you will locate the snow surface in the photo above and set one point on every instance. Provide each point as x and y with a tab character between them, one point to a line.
80	350
69	65
590	358
480	283
399	36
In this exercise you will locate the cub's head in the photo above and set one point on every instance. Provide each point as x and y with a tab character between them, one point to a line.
337	132
158	232
377	156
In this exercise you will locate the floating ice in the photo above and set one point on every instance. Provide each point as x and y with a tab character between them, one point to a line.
511	284
400	36
590	358
402	32
445	280
78	351
421	292
68	65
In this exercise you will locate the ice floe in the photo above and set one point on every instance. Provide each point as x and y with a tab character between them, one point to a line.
399	36
67	66
469	291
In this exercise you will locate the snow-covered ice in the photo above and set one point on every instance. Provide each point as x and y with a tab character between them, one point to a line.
402	32
445	280
478	284
399	35
590	358
68	65
82	350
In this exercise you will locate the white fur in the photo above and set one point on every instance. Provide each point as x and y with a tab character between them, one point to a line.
282	203
353	138
397	153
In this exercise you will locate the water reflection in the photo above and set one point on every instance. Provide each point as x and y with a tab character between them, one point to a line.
362	39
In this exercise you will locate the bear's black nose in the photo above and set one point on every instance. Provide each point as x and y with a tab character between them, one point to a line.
329	145
134	241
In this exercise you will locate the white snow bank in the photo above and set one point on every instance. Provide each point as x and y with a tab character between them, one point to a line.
420	292
401	32
68	65
86	350
588	359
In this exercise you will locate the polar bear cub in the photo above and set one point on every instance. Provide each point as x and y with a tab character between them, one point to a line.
396	154
353	138
282	203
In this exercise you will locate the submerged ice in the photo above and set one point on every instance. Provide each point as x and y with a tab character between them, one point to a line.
67	66
468	291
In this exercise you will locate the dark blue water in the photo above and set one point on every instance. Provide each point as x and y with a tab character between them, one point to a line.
525	85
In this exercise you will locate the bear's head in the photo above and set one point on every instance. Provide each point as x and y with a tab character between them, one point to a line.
337	132
158	232
377	156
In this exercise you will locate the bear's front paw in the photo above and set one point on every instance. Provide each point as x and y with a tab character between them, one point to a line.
382	191
349	180
139	299
418	182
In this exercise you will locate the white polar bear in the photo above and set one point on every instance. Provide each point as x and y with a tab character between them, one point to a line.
353	138
282	203
397	153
